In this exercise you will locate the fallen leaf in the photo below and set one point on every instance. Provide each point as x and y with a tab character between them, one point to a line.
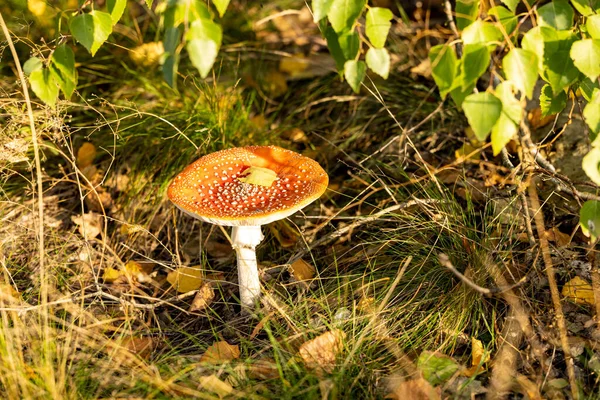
478	358
147	54
414	389
128	229
86	155
294	65
263	369
556	236
89	224
132	269
423	69
467	152
437	368
295	135
258	176
213	384
578	291
100	202
203	298
185	279
275	84
111	274
321	352
140	345
220	352
285	233
302	271
537	121
259	121
8	293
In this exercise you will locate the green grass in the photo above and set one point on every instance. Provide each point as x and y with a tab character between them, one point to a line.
148	132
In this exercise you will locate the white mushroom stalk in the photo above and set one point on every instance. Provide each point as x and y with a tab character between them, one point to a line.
246	187
244	240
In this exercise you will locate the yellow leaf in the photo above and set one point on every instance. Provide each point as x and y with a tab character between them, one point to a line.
220	352
110	274
147	54
259	176
478	358
321	352
86	155
285	234
90	224
467	151
185	279
302	271
414	389
275	84
215	385
293	65
578	291
203	298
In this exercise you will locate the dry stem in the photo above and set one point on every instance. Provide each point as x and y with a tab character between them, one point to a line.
560	318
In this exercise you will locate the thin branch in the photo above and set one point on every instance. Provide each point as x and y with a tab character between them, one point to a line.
560	317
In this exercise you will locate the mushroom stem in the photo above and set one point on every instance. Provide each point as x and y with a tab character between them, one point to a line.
244	240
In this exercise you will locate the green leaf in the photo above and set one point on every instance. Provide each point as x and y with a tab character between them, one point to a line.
116	9
185	11
589	215
587	86
481	32
33	64
91	29
507	125
171	40
511	4
521	67
378	25
551	104
593	26
221	6
482	111
557	14
436	368
475	61
379	61
444	66
334	47
169	69
63	69
320	8
344	13
43	86
459	94
354	72
149	3
590	165
203	42
591	113
507	18
466	12
533	41
511	106
586	57
586	7
558	68
350	44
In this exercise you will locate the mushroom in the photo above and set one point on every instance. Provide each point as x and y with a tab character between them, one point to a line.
247	187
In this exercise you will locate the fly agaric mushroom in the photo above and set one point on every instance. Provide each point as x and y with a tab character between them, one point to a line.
246	187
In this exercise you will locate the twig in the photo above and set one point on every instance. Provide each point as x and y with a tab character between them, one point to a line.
560	318
336	234
593	259
445	262
450	18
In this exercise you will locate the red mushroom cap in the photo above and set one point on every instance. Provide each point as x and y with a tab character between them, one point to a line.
210	189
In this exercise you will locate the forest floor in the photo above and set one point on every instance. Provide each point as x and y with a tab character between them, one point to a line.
422	272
